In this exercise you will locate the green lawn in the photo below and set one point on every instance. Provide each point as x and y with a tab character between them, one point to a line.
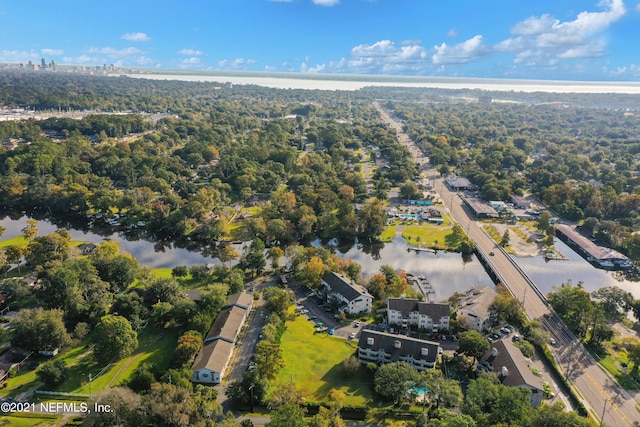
430	236
14	241
314	363
493	232
30	420
388	234
153	348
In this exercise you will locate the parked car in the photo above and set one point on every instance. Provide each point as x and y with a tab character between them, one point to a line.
321	329
352	335
332	331
552	341
356	325
516	338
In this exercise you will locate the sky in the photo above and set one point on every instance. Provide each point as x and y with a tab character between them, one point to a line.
523	39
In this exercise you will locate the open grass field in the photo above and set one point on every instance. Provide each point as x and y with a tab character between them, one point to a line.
430	236
314	363
155	347
14	241
30	420
388	234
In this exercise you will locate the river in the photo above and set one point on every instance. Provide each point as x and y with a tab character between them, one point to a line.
448	272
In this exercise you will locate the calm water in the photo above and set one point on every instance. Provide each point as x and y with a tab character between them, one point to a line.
146	252
548	274
447	271
356	82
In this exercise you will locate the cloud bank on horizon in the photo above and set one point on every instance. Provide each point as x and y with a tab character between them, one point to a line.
570	39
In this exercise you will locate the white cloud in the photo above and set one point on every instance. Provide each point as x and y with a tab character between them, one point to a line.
116	53
326	2
638	7
18	56
460	53
452	33
52	51
553	40
191	52
192	61
135	37
235	64
129	56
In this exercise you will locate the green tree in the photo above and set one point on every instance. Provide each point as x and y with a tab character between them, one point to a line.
473	344
37	329
188	346
228	254
30	230
113	339
505	239
179	271
126	409
269	359
490	403
52	247
253	258
53	372
287	416
372	219
274	254
171	406
393	380
555	415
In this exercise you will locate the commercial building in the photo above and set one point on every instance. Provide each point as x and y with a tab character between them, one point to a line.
599	256
480	208
459	183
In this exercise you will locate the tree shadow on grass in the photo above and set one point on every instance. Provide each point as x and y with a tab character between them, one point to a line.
359	384
78	375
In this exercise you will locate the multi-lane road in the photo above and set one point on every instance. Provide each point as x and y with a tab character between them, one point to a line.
601	395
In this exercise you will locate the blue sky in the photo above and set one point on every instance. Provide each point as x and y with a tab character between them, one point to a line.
542	39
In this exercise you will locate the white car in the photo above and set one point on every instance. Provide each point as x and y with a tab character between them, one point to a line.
552	341
352	335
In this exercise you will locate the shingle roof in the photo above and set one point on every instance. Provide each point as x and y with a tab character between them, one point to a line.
478	300
213	355
342	285
242	299
405	306
510	357
408	346
227	324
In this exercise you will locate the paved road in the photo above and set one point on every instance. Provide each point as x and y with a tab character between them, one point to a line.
599	391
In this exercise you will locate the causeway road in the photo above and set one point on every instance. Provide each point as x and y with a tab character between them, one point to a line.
601	395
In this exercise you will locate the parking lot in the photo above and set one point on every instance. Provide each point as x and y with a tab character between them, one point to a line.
314	309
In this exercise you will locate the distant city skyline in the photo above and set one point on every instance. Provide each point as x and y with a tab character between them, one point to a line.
560	40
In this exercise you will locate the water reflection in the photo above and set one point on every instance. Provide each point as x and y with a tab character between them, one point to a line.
576	269
156	254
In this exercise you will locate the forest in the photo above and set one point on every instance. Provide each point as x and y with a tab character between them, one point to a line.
581	162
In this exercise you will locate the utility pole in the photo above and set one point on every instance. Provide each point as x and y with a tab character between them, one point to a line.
603	411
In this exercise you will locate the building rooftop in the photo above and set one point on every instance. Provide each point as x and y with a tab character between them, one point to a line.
344	286
399	345
480	207
598	252
478	300
517	367
405	306
213	356
227	324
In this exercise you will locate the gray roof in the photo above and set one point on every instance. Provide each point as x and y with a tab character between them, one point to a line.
227	324
408	346
406	306
510	357
213	355
598	252
478	300
242	300
480	207
344	286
